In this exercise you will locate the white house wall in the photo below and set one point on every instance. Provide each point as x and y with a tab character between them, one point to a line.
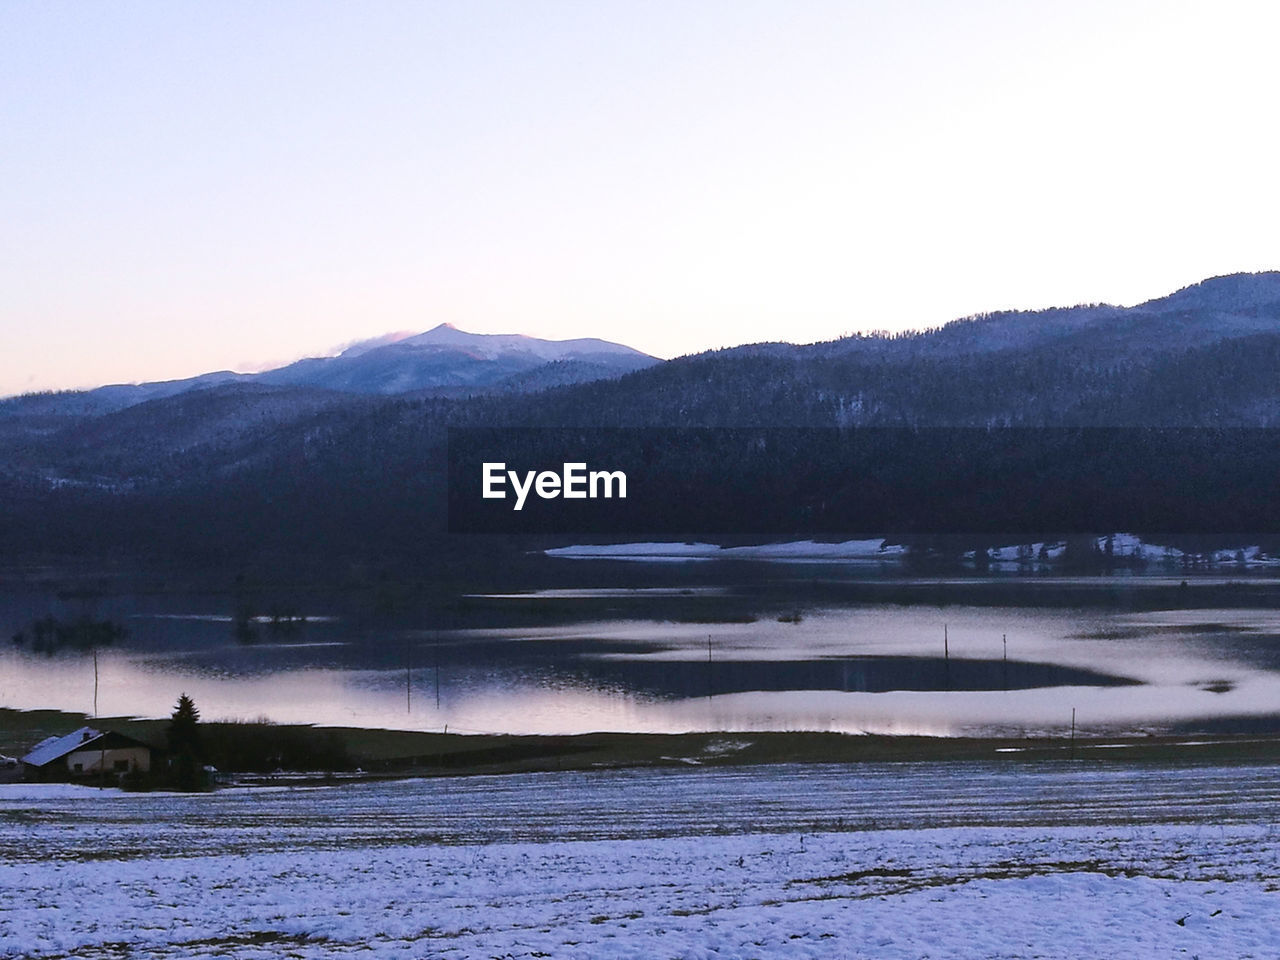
93	761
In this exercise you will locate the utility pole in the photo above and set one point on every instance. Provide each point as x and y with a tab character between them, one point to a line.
102	755
946	659
1004	662
708	668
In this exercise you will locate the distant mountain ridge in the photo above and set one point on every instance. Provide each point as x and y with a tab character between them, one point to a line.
446	357
453	362
1212	310
346	452
491	345
443	358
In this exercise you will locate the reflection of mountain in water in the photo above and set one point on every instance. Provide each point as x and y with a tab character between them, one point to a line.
682	678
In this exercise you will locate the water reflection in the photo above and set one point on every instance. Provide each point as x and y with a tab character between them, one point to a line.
675	679
670	659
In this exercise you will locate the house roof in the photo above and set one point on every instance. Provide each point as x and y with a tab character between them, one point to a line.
86	738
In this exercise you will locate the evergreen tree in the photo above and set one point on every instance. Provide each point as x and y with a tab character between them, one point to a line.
184	745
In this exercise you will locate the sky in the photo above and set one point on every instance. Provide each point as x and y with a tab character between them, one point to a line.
233	185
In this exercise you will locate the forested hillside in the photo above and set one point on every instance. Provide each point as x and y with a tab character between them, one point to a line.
243	469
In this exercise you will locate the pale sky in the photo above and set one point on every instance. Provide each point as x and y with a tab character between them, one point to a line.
189	187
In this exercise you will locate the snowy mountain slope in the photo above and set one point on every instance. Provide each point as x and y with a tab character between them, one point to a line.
448	357
107	399
493	345
443	358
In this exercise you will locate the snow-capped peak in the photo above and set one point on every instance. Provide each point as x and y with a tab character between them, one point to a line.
489	345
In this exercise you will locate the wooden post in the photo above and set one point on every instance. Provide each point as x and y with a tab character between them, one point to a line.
1073	733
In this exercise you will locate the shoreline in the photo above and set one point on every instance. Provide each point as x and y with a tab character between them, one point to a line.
369	754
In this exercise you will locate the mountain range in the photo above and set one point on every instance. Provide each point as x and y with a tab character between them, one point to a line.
444	360
345	453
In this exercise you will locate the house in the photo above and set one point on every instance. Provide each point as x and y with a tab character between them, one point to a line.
87	753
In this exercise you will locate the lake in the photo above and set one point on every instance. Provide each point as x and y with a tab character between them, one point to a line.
677	647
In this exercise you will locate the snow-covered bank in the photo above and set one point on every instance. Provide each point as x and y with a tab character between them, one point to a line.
1121	547
800	550
888	861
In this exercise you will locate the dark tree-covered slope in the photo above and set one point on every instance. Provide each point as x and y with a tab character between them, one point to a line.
235	467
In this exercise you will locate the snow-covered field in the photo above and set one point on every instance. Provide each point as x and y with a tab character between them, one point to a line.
894	860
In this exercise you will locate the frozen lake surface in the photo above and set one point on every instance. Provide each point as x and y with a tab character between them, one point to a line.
879	860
